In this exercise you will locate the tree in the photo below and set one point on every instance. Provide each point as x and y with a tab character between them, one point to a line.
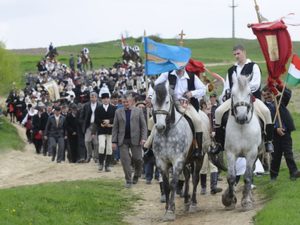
9	70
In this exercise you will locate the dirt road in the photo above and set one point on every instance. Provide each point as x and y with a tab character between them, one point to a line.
23	168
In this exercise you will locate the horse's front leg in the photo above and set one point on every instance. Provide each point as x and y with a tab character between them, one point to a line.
187	175
228	198
247	202
170	213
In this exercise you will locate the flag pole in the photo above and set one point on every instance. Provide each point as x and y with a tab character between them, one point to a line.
277	114
146	77
257	12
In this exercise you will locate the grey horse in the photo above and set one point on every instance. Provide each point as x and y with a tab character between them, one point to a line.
172	145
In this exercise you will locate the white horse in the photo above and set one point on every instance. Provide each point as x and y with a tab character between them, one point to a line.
243	138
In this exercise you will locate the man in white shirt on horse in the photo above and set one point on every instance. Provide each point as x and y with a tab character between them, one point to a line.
244	67
187	86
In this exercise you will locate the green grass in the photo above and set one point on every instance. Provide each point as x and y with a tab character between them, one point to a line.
283	205
9	138
76	203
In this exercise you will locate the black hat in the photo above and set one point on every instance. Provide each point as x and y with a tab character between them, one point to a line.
57	108
140	103
105	95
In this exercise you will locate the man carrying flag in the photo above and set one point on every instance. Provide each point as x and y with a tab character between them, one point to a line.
171	61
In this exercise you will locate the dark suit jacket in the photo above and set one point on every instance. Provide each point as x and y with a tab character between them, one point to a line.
37	123
285	115
72	124
138	127
100	115
85	115
55	131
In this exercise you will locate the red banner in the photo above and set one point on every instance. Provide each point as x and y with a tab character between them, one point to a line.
276	45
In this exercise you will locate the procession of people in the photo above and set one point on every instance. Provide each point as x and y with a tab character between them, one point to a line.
82	116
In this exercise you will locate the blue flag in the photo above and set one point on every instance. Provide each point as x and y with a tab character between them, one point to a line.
162	58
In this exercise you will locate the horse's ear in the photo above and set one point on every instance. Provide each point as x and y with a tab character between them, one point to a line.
151	83
167	85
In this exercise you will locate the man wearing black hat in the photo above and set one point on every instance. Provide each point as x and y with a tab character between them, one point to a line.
55	132
104	117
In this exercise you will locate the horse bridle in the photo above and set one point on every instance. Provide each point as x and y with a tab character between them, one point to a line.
164	112
242	103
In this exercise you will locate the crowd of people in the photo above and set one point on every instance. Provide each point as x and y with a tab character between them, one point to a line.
100	115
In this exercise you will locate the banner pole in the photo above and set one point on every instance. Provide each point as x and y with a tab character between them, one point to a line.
257	12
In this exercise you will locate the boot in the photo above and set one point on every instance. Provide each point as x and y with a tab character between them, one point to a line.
213	184
269	138
179	187
162	192
101	160
203	184
107	163
220	139
198	151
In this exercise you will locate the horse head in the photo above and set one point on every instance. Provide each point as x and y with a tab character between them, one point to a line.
163	107
241	99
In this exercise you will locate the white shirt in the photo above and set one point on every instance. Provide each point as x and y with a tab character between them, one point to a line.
254	82
56	119
93	107
181	85
105	107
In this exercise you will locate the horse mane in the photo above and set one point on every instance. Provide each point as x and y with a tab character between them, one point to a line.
160	93
242	81
241	84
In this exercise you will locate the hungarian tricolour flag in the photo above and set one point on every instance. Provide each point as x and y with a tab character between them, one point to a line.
293	77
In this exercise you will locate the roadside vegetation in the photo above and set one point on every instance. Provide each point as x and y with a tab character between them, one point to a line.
70	203
283	205
9	138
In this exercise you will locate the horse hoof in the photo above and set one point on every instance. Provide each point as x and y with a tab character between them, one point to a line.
247	205
193	208
169	216
186	207
227	201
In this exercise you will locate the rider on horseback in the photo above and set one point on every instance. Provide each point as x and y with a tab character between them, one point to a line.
244	67
185	86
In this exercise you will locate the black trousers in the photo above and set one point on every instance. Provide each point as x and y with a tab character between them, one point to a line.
283	145
38	145
73	154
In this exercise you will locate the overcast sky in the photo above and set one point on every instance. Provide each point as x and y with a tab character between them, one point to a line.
35	23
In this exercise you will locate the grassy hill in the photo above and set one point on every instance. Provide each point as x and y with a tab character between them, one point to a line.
208	50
